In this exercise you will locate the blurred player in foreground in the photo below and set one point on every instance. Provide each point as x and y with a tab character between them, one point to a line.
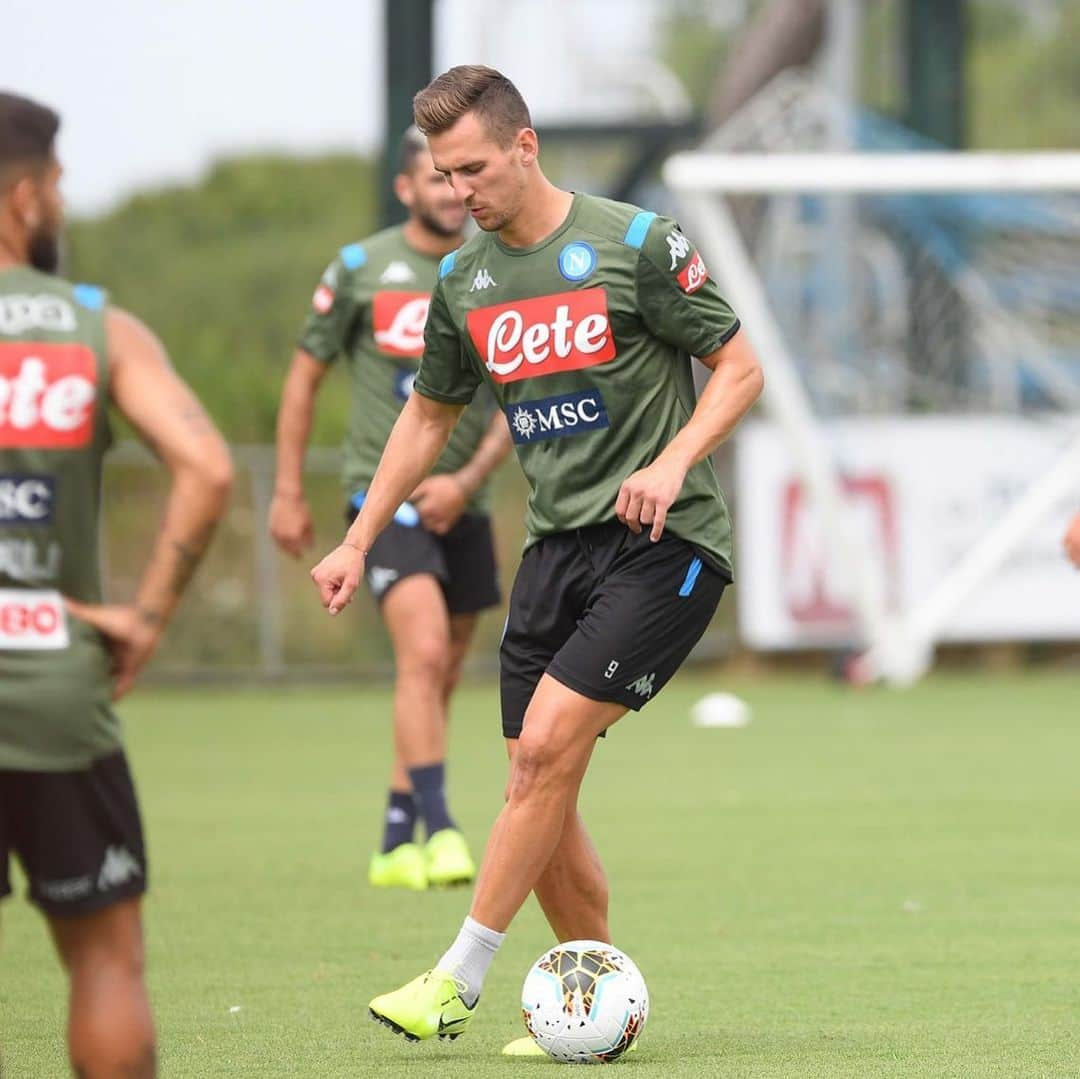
67	804
433	569
1072	541
582	315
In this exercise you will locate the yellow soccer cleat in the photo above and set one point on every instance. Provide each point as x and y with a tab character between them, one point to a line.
526	1047
426	1006
448	858
403	867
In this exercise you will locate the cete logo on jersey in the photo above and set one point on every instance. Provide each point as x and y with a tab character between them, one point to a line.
577	260
544	335
26	499
398	322
557	417
323	299
47	396
32	620
693	275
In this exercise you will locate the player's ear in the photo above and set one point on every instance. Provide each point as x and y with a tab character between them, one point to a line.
403	188
528	144
25	204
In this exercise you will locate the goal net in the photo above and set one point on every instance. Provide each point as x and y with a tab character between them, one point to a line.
917	314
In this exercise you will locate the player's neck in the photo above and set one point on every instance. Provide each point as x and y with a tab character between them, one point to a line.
543	213
426	242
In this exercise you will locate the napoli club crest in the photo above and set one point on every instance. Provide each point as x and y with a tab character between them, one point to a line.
577	261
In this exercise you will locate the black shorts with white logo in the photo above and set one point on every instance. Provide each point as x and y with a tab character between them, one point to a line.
78	836
609	614
462	561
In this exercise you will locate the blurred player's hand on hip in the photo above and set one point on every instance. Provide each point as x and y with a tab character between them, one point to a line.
646	495
338	575
130	636
1072	541
440	501
290	524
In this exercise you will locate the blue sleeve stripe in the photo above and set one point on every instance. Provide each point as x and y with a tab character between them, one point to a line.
447	264
691	578
638	228
353	256
89	296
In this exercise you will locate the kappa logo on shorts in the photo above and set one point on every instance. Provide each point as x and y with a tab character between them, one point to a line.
557	417
381	578
643	686
118	868
544	335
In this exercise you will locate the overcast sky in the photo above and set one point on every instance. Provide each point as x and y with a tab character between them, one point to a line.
151	90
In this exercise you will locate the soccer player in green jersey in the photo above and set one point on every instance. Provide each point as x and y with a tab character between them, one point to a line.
433	569
67	804
581	315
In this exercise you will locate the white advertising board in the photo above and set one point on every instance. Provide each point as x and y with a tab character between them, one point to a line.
920	491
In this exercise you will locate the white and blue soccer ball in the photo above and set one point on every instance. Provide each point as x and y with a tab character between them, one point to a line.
584	1002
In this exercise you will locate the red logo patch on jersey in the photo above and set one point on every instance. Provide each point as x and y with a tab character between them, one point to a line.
544	335
398	321
47	396
693	275
323	299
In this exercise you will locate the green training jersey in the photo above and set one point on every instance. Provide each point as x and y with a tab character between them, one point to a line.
55	689
370	307
585	339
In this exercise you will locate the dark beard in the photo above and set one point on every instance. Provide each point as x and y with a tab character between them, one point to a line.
435	226
44	252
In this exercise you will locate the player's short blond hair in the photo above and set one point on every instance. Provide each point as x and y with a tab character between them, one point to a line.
472	88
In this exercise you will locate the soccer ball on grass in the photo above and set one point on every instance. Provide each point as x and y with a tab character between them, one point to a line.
584	1002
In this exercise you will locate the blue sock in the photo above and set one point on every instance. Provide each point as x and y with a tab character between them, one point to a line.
400	820
429	791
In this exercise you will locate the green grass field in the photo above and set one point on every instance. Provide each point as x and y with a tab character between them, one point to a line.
857	884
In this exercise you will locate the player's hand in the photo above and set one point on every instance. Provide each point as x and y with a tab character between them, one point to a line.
1072	541
338	576
130	636
290	524
440	501
647	495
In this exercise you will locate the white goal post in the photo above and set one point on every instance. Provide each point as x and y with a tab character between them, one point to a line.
896	646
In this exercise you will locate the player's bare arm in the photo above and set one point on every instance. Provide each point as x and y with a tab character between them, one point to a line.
735	384
1072	541
290	517
441	500
170	419
419	436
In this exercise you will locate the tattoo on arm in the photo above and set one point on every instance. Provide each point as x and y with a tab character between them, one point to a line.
149	617
188	554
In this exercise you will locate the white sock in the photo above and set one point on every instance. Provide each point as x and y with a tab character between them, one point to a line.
470	956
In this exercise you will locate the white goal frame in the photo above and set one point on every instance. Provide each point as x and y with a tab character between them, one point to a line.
896	649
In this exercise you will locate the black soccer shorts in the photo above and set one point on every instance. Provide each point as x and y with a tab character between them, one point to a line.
77	834
608	613
462	561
